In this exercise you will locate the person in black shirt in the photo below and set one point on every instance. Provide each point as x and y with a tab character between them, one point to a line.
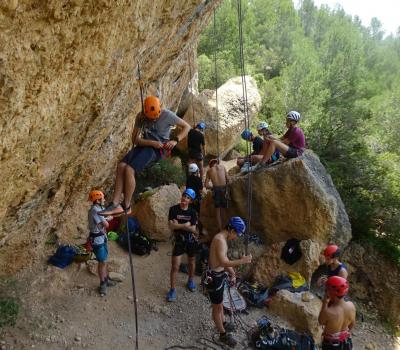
257	141
196	146
194	182
182	221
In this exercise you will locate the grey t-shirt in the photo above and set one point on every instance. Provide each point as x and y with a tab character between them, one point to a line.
95	224
160	129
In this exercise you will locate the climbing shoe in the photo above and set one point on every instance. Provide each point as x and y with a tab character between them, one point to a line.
115	210
103	289
227	339
171	295
110	282
191	285
229	327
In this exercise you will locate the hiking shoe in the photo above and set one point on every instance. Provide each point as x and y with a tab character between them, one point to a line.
228	339
191	285
103	289
229	327
110	282
115	210
171	295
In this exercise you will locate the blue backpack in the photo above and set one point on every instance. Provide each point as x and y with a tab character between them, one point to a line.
63	256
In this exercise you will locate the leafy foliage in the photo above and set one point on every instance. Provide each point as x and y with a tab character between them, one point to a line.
343	78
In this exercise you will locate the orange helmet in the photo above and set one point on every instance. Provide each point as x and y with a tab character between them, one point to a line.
95	195
152	107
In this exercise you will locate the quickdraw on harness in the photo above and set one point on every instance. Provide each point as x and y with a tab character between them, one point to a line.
209	277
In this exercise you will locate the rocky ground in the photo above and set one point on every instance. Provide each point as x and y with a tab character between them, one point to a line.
61	309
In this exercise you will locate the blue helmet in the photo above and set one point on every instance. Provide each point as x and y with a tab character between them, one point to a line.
246	134
201	125
236	223
189	192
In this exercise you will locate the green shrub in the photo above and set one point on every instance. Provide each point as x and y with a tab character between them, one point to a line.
9	309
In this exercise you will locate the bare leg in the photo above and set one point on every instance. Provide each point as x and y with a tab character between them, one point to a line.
102	271
129	185
282	147
175	262
192	266
218	316
119	182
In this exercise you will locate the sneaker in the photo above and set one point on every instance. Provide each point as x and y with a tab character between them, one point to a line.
171	295
115	210
191	285
228	339
103	289
110	282
229	327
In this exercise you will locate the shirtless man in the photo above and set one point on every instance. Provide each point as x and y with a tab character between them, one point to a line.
218	176
337	315
216	275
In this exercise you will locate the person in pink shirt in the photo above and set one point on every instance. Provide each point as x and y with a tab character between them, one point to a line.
291	145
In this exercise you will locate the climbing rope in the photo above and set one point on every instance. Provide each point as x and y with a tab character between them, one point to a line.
247	125
216	82
191	86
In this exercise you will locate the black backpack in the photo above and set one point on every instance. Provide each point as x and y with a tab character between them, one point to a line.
140	243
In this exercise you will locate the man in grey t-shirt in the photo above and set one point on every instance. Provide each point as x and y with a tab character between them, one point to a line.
155	124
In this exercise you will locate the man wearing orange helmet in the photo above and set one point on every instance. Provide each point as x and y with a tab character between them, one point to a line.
98	239
150	138
333	266
337	315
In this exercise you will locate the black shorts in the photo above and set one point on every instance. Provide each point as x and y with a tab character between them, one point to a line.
182	246
344	345
219	197
140	158
292	153
193	154
216	288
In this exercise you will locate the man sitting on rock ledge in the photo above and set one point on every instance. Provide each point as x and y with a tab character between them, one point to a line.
337	315
156	125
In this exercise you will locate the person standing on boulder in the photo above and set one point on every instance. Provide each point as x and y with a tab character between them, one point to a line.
337	315
155	123
333	266
219	269
182	220
292	144
98	239
219	178
196	146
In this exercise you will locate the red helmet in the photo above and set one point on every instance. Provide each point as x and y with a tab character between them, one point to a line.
95	195
337	286
152	107
332	251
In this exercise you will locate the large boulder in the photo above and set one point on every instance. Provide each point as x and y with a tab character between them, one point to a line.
152	211
270	264
302	315
374	278
292	199
230	114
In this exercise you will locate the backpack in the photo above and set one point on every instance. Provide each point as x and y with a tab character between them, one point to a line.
140	243
255	294
63	256
266	337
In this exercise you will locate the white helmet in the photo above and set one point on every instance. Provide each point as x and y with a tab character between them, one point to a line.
193	168
293	115
262	125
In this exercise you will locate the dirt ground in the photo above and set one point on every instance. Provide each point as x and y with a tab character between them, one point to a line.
61	309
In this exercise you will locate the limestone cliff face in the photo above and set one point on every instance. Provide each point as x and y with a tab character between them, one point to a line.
68	97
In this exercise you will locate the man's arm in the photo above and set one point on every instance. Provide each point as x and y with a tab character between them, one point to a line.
185	128
343	273
207	181
187	226
225	262
353	318
322	318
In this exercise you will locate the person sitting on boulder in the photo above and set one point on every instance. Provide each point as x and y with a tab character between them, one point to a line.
333	265
219	268
219	178
257	142
156	124
98	239
196	146
337	315
182	221
290	145
194	182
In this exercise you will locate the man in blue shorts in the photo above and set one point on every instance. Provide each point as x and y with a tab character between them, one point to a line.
155	124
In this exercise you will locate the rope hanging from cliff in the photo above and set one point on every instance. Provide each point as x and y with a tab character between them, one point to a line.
191	86
246	124
216	83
